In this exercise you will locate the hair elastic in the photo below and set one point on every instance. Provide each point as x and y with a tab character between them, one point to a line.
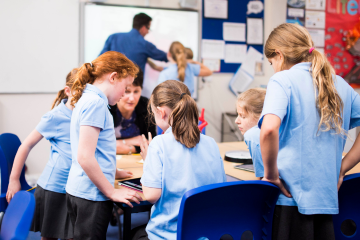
311	49
181	96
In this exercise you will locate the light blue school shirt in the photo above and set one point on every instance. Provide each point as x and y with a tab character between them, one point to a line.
252	140
134	47
309	161
171	73
55	127
176	169
92	110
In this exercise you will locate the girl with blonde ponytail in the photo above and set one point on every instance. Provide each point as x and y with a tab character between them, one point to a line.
177	161
182	69
307	113
90	186
50	192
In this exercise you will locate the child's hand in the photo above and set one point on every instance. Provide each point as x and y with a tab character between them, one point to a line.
341	179
279	184
123	174
145	145
125	195
14	187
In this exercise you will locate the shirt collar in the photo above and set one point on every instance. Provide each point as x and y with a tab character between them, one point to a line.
135	31
64	109
92	89
169	130
302	66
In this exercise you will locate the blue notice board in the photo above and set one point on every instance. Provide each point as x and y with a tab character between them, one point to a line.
212	28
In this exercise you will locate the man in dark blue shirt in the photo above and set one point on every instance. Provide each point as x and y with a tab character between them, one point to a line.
133	44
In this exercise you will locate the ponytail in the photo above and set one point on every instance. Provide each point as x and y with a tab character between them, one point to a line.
108	62
296	45
177	51
69	83
184	117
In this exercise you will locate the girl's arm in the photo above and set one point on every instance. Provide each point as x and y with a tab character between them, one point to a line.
269	144
204	70
350	160
86	158
151	195
154	66
19	161
122	148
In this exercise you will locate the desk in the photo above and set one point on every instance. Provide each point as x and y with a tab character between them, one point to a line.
130	163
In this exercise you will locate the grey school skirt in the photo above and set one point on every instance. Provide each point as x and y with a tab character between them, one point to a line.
51	217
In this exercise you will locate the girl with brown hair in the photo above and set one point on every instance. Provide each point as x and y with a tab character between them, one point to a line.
177	161
307	113
90	187
50	191
249	106
181	69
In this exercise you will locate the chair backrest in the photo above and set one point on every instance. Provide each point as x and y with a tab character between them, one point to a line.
10	144
348	219
234	208
4	180
18	217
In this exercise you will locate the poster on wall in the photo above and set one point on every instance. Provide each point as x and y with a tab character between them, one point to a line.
315	5
339	20
296	12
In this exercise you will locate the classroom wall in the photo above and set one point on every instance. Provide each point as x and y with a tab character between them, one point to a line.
20	113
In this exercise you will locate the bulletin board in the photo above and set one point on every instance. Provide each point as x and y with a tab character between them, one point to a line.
212	28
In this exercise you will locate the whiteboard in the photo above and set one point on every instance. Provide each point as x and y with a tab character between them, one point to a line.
168	25
39	44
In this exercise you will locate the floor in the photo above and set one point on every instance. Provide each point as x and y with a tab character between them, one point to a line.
112	233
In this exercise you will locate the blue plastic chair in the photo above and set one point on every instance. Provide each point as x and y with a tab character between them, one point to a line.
348	219
4	181
10	143
234	208
18	217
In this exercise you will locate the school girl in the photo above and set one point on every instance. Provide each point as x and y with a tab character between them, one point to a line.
50	217
90	187
249	106
177	161
181	70
307	113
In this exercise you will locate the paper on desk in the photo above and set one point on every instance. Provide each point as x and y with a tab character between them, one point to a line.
213	49
318	37
234	32
235	53
315	19
118	157
141	161
252	56
255	31
216	9
212	64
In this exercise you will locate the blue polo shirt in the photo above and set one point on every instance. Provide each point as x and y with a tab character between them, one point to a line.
55	127
135	47
176	169
92	110
309	160
171	73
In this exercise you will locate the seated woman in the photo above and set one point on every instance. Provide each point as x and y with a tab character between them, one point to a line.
131	118
182	69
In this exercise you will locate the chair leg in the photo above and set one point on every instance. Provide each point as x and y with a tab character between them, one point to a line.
118	221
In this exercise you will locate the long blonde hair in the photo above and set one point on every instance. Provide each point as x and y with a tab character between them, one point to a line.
70	78
177	51
252	101
295	42
107	62
184	116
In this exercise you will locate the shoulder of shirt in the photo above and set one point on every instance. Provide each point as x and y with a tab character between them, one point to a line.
253	135
91	99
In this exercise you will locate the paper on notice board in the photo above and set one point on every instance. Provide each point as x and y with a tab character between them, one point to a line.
318	37
234	32
240	81
213	49
235	53
296	12
315	19
254	31
315	4
212	64
216	9
252	56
